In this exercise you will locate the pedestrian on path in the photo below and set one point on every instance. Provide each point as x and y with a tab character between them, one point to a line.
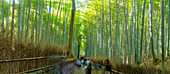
107	67
78	63
84	62
88	66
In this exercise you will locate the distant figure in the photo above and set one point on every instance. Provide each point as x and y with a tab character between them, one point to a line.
108	67
88	61
78	63
88	66
81	58
98	65
84	62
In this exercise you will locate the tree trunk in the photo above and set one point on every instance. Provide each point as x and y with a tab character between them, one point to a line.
78	47
71	29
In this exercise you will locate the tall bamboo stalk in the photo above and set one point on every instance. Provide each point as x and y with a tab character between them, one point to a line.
12	24
24	11
59	33
41	36
48	24
27	31
19	19
102	29
145	51
110	30
169	29
97	32
7	20
135	34
116	39
55	31
127	40
88	41
162	38
65	24
106	38
93	47
40	20
152	34
142	31
130	38
36	22
2	24
32	27
137	37
64	13
157	44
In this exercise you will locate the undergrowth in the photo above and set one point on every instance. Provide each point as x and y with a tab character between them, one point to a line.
15	49
150	66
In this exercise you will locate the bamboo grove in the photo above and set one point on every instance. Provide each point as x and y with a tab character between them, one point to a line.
129	31
38	20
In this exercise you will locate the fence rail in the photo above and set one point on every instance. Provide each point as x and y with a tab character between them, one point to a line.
34	70
34	58
60	65
20	65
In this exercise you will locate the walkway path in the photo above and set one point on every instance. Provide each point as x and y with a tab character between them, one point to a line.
81	71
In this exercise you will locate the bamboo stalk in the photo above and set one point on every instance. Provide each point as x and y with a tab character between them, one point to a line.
162	38
2	24
142	31
7	22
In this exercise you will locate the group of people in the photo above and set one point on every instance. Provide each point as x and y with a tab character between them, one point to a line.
86	64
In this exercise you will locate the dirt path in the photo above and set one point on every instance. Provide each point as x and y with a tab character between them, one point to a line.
81	71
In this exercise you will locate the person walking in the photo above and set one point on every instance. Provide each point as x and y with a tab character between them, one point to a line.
108	67
84	62
78	63
88	66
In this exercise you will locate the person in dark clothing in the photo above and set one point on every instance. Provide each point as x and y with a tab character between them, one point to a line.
88	70
82	58
84	62
108	67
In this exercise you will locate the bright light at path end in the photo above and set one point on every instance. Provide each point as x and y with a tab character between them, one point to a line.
82	1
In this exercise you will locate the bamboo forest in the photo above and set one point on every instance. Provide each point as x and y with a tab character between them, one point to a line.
52	36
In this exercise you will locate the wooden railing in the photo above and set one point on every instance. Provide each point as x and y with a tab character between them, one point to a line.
34	58
26	65
50	66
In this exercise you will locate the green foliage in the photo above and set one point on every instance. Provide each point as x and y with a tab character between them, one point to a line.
101	26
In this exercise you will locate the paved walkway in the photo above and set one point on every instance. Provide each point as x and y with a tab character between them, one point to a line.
81	71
